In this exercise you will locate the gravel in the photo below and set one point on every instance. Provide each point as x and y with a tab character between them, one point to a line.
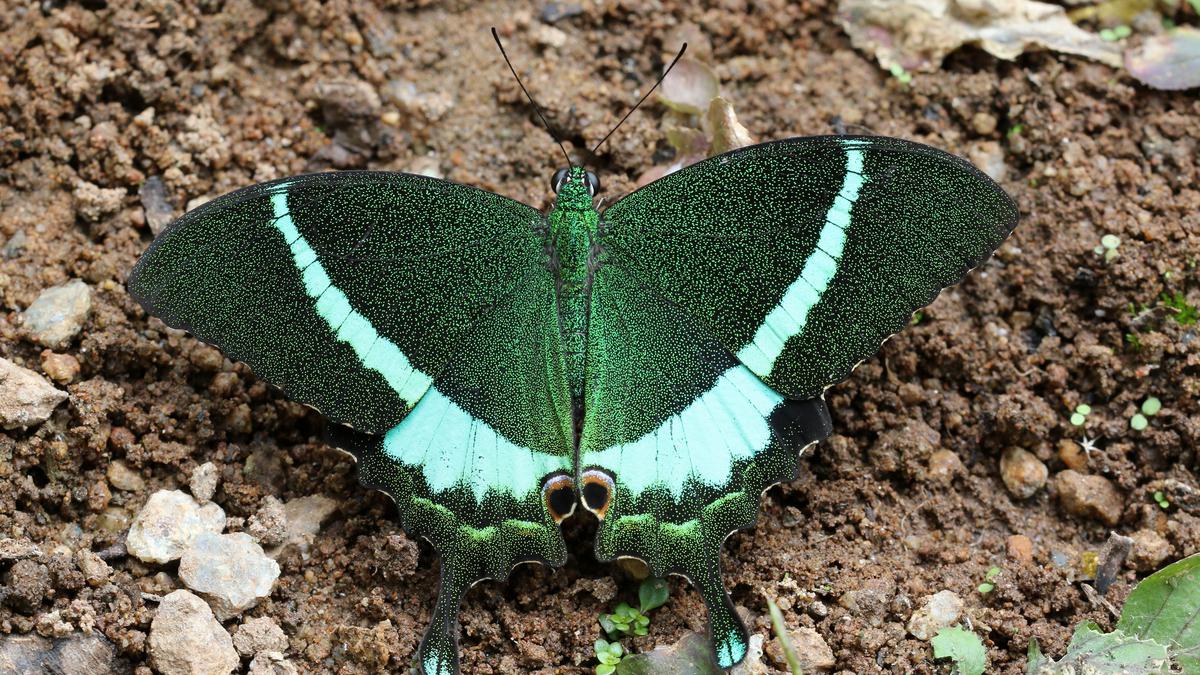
167	524
58	314
185	638
229	570
26	398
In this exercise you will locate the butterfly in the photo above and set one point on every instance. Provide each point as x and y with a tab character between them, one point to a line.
660	362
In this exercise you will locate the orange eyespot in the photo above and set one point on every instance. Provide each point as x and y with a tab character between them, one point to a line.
558	493
598	490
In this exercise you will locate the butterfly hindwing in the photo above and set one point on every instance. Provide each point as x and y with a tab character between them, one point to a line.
417	314
803	255
683	437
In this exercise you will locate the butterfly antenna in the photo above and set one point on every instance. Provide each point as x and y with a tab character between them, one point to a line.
538	110
644	97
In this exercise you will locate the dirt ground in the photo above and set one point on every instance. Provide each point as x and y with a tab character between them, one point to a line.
98	97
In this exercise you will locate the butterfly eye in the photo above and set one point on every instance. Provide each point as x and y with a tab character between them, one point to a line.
597	491
559	178
592	182
558	493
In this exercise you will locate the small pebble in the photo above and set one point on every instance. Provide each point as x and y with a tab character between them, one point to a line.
269	525
122	477
548	36
27	583
62	368
156	202
229	570
15	245
167	524
259	635
94	202
1072	455
18	549
95	571
26	398
58	314
1023	473
1019	548
1093	497
203	482
944	465
811	650
206	358
557	11
305	516
185	639
940	610
1149	551
983	123
272	663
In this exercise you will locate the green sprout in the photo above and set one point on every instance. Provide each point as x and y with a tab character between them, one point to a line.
1161	500
1079	417
1150	408
917	317
609	655
1015	131
785	641
900	73
1183	313
989	579
1115	33
1134	341
629	620
1109	244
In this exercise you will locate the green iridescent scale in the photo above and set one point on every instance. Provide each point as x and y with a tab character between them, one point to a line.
661	362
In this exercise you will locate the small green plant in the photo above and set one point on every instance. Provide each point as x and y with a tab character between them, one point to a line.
963	647
1115	33
1109	244
1015	130
989	581
1183	313
1079	417
1161	500
900	73
1134	341
1150	408
1157	630
917	317
609	655
785	641
629	620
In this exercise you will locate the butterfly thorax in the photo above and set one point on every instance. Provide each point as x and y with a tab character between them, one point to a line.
573	221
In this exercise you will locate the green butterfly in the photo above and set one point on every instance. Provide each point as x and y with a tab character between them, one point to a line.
662	362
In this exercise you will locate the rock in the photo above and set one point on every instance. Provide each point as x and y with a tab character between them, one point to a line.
944	465
272	663
1072	455
305	516
122	477
269	525
58	314
167	524
74	654
1149	551
27	583
370	648
1019	548
989	157
229	570
984	123
185	639
156	203
939	611
1092	497
548	36
752	664
690	656
18	549
15	245
95	571
557	11
203	482
1023	473
810	648
62	368
259	635
26	398
871	599
94	202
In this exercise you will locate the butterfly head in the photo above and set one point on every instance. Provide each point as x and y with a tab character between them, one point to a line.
575	187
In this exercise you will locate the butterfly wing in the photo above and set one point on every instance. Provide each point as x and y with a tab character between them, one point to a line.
415	313
730	295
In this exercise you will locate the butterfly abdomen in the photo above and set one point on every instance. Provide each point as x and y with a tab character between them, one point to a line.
571	232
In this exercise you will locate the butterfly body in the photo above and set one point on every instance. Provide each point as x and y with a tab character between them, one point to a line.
661	362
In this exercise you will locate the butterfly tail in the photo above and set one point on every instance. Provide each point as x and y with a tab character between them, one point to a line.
438	654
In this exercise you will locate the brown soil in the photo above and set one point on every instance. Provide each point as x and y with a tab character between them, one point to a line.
213	96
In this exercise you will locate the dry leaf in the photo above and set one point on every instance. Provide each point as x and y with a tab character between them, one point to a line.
724	130
918	34
1170	61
